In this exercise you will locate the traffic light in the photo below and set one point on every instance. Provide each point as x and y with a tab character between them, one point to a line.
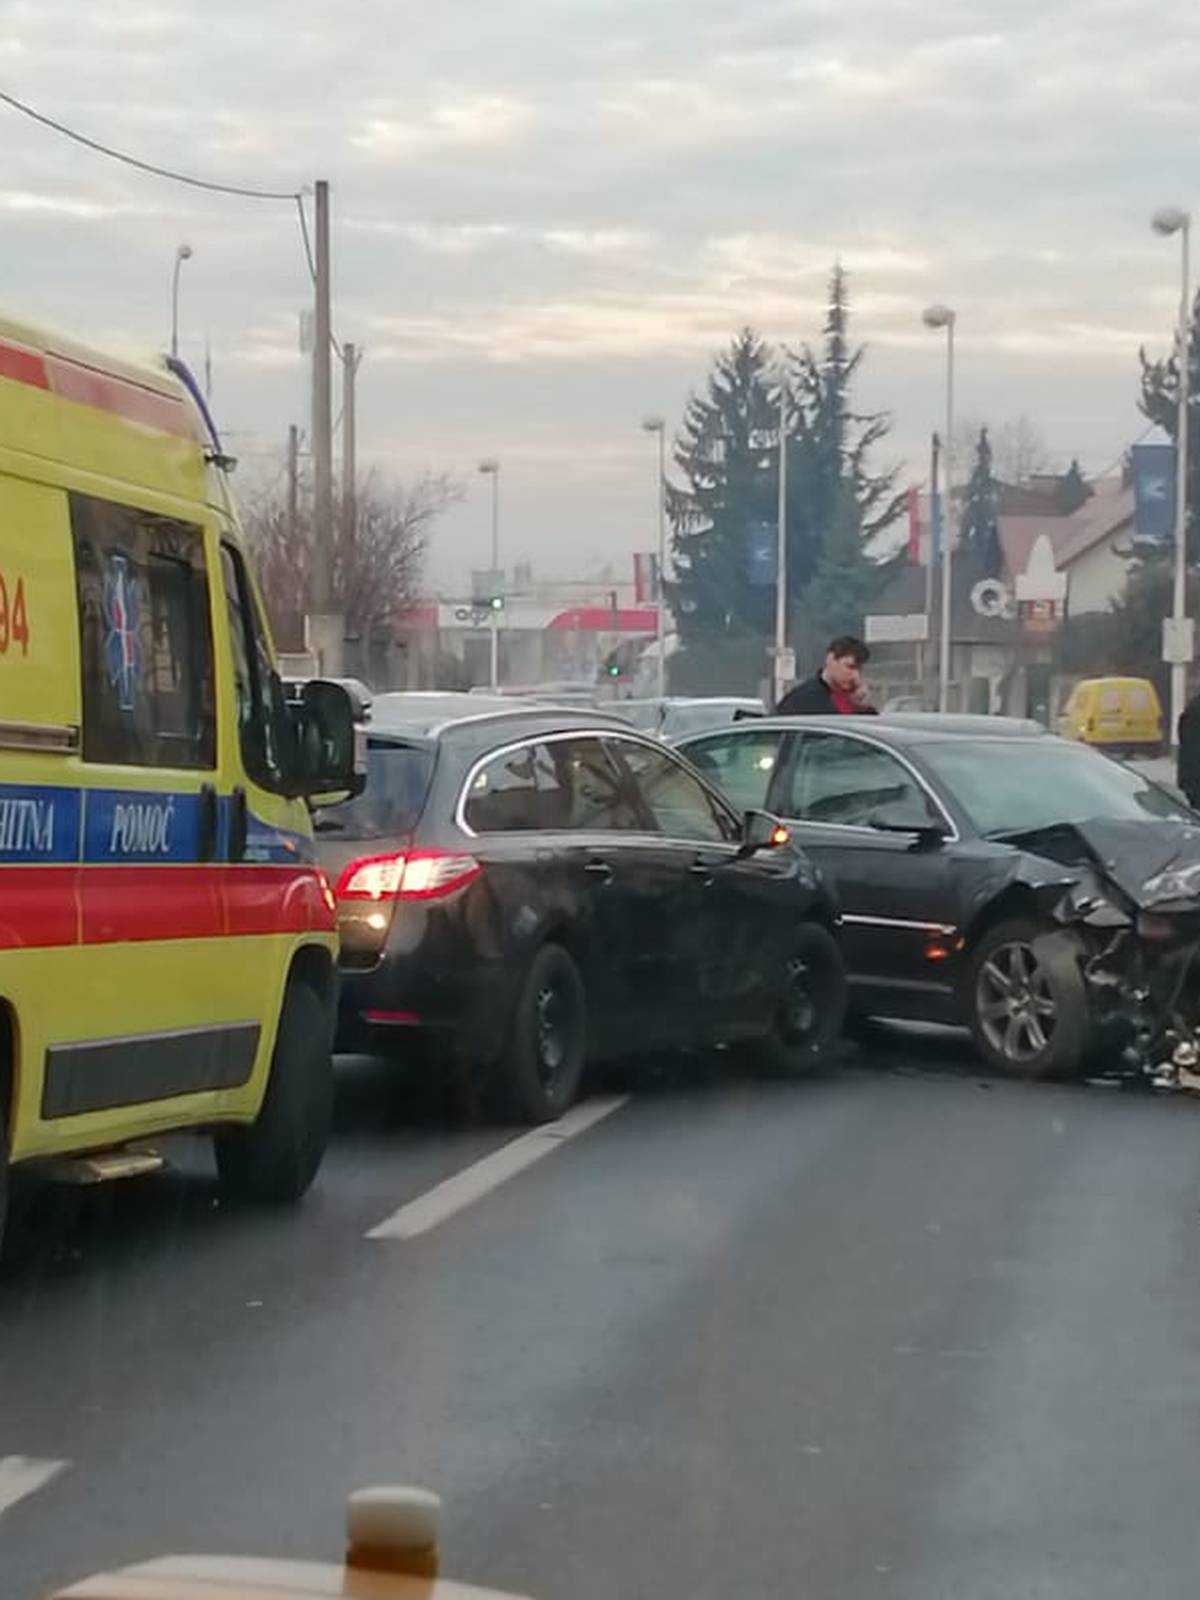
497	602
612	666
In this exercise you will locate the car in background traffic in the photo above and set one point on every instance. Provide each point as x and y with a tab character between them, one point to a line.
675	716
528	888
941	840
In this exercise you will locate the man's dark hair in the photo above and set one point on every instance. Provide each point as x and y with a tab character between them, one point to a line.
847	645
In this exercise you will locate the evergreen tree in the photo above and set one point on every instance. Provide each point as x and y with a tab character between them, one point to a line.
727	451
828	456
1159	401
980	534
838	595
1073	491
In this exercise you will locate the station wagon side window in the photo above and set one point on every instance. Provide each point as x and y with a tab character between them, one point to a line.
741	765
840	780
264	729
679	804
502	797
145	637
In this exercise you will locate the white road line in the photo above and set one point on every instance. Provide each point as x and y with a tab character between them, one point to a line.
23	1475
447	1199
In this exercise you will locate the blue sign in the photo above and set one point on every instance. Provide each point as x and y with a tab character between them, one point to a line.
1154	492
761	554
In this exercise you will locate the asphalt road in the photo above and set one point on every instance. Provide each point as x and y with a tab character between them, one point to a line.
907	1332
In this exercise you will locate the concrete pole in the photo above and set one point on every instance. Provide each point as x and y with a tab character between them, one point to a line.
351	357
325	623
947	529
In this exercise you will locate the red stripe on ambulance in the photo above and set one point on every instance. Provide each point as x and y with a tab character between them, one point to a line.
67	905
23	365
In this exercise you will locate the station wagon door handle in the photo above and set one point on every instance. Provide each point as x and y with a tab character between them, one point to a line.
702	869
599	869
206	832
238	825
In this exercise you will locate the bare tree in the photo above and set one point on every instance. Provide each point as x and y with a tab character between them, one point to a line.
377	564
1019	448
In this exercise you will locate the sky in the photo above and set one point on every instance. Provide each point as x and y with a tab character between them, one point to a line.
549	214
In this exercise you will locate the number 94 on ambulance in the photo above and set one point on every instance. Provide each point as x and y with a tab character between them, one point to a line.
167	941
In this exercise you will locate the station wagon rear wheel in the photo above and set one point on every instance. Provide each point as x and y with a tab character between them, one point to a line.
542	1068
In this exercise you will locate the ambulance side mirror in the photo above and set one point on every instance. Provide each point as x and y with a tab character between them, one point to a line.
331	747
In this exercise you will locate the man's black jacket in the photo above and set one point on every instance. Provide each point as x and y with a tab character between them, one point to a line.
812	699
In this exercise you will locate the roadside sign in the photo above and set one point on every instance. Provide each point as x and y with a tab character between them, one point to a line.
1179	641
910	627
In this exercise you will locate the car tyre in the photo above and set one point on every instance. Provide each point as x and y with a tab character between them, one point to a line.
1027	1005
810	1012
541	1070
276	1159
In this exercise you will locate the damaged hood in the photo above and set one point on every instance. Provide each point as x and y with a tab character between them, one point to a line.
1155	862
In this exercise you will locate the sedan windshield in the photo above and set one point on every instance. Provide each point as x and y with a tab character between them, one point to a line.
1007	788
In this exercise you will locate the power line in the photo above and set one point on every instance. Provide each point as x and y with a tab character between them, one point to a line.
146	166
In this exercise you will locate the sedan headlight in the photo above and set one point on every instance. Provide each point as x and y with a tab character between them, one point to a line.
1176	883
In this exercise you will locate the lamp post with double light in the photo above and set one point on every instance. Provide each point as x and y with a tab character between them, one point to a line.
183	253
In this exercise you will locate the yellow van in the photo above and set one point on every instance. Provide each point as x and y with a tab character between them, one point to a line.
167	941
1122	715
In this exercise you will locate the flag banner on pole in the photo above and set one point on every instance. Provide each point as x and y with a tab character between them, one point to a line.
914	525
1154	492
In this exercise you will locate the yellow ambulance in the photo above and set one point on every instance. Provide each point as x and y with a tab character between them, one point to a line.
167	941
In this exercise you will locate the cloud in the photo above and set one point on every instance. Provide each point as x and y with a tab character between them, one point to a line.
547	215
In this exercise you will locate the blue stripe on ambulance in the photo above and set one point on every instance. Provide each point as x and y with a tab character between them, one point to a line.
56	824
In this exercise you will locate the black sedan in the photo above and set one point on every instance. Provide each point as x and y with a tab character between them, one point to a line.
531	887
936	836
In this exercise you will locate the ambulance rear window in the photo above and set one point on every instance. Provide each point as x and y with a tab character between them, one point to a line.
397	782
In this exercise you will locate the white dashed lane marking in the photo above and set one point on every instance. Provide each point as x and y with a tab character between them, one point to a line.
446	1200
21	1476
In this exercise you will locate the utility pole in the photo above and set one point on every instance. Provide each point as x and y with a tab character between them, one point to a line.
325	624
779	674
351	360
293	490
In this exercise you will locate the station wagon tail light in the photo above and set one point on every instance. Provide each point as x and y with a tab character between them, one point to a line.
410	875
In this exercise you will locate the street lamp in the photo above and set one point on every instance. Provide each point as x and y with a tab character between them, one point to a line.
658	426
939	316
778	675
491	469
1165	222
183	253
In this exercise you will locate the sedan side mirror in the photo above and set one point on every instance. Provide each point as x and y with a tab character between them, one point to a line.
331	746
900	816
762	831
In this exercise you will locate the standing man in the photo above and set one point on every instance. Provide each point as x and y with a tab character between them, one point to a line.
839	687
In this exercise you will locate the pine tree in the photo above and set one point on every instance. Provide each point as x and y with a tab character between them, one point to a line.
838	595
980	534
1073	490
830	447
1159	401
727	451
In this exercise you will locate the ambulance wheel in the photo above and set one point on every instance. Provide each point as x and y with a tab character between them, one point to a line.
275	1159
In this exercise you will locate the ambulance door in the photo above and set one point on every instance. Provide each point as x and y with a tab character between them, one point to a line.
273	889
158	1020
